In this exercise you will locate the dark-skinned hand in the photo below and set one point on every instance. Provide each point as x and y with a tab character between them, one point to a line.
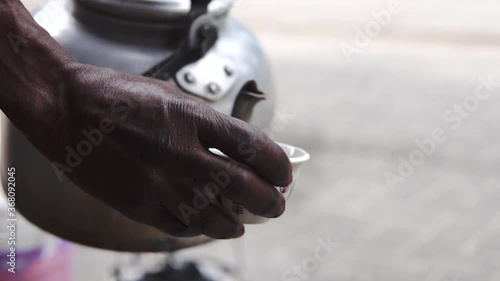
137	144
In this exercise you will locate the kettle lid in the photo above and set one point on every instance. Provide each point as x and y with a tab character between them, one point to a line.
153	10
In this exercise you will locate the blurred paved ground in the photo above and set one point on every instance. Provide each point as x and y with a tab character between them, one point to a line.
355	119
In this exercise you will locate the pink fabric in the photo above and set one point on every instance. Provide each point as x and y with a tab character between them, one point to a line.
31	266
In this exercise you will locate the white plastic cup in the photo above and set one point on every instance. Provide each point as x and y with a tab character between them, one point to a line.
297	157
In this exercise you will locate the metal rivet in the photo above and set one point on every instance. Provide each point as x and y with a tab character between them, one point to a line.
228	70
213	88
189	78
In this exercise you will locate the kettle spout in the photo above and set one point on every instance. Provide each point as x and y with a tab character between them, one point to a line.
245	103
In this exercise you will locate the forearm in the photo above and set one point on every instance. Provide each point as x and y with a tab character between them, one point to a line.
32	66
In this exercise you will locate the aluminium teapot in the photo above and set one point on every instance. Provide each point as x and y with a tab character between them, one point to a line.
194	44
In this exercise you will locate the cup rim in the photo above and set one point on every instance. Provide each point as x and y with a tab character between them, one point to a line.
303	155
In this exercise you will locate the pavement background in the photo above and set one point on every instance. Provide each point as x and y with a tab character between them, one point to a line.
443	222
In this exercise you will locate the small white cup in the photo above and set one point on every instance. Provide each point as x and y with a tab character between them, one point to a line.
297	157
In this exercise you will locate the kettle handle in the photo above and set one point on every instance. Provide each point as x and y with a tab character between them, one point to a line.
191	49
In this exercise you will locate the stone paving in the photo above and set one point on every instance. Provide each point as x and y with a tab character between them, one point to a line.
357	119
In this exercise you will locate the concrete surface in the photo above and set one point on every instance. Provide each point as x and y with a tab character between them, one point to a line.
443	222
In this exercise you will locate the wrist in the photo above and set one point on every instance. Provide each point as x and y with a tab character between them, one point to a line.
33	67
13	16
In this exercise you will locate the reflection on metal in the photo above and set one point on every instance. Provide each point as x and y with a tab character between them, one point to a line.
154	10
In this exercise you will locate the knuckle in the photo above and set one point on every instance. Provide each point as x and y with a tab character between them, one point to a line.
243	177
239	180
185	152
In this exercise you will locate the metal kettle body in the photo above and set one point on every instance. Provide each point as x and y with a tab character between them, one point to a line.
136	36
